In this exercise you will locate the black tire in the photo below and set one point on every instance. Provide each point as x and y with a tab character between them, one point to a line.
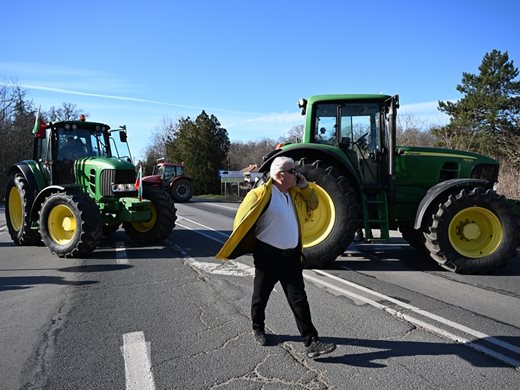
70	223
473	232
415	238
181	190
19	200
333	225
108	230
162	221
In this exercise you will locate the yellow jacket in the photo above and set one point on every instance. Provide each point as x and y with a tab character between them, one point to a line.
242	240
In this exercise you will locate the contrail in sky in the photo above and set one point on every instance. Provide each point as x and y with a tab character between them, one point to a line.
129	99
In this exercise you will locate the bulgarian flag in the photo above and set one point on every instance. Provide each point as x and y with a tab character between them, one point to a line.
139	183
39	125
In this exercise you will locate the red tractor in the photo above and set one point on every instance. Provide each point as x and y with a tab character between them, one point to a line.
173	179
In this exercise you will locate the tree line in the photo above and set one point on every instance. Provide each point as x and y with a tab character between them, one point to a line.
486	120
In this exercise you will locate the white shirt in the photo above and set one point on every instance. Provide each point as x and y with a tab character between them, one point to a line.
278	226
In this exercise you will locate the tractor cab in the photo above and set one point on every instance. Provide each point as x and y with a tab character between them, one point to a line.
361	126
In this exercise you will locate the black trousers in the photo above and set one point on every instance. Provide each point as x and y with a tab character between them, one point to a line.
273	265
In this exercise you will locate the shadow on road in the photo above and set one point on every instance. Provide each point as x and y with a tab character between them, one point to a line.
381	350
96	268
24	282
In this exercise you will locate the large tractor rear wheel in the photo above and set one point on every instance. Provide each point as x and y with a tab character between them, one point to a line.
181	190
414	238
473	232
19	200
331	227
162	221
70	223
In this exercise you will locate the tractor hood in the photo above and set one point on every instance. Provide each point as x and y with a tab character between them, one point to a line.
423	167
103	163
446	153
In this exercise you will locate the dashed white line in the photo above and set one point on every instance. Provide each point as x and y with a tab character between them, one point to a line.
138	367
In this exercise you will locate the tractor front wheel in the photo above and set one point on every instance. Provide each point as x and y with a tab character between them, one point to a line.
161	222
330	228
473	232
70	223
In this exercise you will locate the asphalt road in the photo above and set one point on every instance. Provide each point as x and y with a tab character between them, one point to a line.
173	317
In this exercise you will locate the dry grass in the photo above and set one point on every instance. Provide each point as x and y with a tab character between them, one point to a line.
509	182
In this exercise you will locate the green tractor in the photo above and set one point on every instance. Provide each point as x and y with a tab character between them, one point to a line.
442	201
80	185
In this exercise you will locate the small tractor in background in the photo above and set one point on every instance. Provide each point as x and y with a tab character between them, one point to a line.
171	176
442	201
81	184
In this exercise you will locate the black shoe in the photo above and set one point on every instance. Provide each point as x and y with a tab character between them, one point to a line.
317	348
259	336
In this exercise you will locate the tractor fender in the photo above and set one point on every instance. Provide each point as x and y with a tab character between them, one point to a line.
154	180
31	173
177	178
438	190
44	193
315	152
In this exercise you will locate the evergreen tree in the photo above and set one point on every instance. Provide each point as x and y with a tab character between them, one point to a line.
487	118
202	145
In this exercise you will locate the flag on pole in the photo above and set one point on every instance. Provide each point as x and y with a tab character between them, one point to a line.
139	183
39	125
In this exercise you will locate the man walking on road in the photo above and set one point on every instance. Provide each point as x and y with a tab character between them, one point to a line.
269	223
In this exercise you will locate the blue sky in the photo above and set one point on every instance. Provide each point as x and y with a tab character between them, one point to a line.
246	62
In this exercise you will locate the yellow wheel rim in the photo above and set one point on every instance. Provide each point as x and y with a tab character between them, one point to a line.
145	226
475	232
320	222
61	224
15	209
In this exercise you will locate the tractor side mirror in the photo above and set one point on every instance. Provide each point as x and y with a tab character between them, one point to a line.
122	136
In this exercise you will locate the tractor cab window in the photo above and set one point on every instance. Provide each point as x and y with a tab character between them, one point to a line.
169	172
119	146
325	124
361	125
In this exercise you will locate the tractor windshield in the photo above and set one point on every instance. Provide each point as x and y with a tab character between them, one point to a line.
75	143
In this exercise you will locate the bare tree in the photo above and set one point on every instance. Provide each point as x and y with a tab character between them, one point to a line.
410	132
66	112
294	134
243	154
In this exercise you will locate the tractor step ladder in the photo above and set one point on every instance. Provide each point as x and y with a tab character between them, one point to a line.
375	214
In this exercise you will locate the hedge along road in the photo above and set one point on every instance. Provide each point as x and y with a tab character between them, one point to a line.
189	314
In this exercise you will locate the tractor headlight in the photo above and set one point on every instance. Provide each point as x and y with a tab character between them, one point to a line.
123	187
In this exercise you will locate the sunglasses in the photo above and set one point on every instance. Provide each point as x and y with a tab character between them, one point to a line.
292	171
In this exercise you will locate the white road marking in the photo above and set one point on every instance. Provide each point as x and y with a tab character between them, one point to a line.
229	267
204	226
470	343
138	367
448	335
121	256
221	206
202	234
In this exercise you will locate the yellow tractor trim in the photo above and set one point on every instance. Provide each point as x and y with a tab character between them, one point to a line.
475	232
62	224
321	222
15	209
